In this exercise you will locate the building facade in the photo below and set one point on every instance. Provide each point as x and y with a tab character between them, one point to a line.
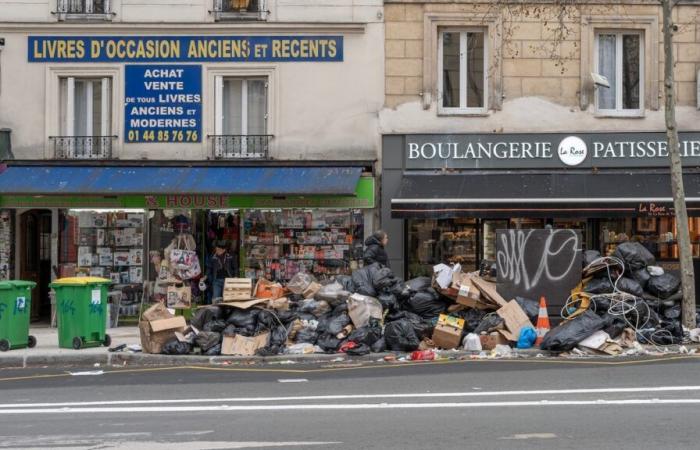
132	126
506	115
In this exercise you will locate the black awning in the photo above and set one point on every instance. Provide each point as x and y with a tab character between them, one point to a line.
534	194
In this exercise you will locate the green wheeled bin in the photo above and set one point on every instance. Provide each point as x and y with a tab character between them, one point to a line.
81	305
15	306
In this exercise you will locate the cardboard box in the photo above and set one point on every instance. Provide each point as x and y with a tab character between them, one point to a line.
168	324
448	332
157	312
490	341
243	346
236	289
311	290
152	341
515	320
268	289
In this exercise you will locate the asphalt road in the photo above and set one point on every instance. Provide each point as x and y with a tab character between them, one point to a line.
443	405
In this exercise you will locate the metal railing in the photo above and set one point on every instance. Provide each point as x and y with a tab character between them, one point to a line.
240	9
231	146
84	7
82	147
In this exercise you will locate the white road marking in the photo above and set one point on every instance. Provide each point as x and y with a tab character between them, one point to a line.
187	445
192	433
293	380
330	406
87	373
530	436
363	396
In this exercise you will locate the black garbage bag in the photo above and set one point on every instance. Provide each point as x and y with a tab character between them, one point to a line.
388	301
601	305
401	314
599	286
270	350
213	351
305	316
306	335
243	318
673	312
489	323
630	286
336	324
401	336
672	326
363	282
423	328
323	322
361	349
286	316
567	335
207	339
615	325
426	305
230	330
642	277
366	335
346	282
379	346
419	284
634	255
205	314
382	277
488	268
664	285
266	320
328	343
589	256
215	325
175	347
530	307
340	309
472	318
278	336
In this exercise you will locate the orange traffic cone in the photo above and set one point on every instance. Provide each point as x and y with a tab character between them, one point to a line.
542	322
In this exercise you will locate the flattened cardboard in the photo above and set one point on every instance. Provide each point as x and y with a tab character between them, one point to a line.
488	289
245	304
174	323
157	312
515	320
243	346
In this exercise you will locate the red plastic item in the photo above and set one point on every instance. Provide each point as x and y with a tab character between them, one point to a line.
422	355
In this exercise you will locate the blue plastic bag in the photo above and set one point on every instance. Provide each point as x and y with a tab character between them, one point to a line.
527	338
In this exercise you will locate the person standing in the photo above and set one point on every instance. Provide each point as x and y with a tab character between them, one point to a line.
375	250
221	265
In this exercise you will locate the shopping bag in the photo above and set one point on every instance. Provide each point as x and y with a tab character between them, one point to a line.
179	296
184	263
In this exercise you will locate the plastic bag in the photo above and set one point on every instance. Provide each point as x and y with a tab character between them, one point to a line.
530	307
642	277
634	255
243	318
205	314
300	349
589	256
419	284
527	338
207	339
472	342
388	302
472	318
674	312
362	279
630	286
213	351
328	343
489	323
359	350
175	347
278	336
330	293
664	286
300	282
401	336
599	286
567	335
266	320
346	282
379	346
426	305
215	325
423	328
361	308
366	335
315	307
306	335
382	277
337	324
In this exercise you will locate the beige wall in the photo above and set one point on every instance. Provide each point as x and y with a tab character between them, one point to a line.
541	80
322	110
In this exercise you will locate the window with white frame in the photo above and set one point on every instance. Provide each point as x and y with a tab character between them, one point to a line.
462	71
241	116
85	118
84	7
619	58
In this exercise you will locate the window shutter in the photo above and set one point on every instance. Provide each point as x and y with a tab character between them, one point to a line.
105	109
70	106
218	105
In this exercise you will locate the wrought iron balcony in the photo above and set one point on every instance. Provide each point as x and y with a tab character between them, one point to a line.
240	9
82	147
84	9
240	146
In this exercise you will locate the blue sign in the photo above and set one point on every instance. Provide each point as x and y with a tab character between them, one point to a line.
163	103
184	48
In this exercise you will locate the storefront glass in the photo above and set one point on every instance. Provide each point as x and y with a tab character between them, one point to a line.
432	242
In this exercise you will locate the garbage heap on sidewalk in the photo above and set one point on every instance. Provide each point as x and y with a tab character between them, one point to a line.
623	301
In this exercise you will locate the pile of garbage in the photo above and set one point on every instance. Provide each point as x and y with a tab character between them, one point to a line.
624	300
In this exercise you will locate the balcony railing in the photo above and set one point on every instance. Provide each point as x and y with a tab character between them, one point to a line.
240	147
81	9
82	147
240	9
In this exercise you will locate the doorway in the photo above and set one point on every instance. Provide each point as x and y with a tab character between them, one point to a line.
35	258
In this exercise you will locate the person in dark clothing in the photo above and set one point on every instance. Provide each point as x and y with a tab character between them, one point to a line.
220	265
375	249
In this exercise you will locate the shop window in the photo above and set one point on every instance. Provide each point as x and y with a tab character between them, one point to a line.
462	71
432	242
241	118
85	119
620	60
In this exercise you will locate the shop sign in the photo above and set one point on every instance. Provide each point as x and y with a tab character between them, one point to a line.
652	209
163	103
196	201
546	150
85	49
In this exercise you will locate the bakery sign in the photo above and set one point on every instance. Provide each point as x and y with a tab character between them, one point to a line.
546	150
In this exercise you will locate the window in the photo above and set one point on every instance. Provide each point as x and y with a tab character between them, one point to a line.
241	117
619	59
77	9
85	119
240	9
462	74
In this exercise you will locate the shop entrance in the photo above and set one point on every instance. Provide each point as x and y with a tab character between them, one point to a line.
35	258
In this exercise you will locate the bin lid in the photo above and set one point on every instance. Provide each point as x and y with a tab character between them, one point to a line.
6	285
22	284
79	281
